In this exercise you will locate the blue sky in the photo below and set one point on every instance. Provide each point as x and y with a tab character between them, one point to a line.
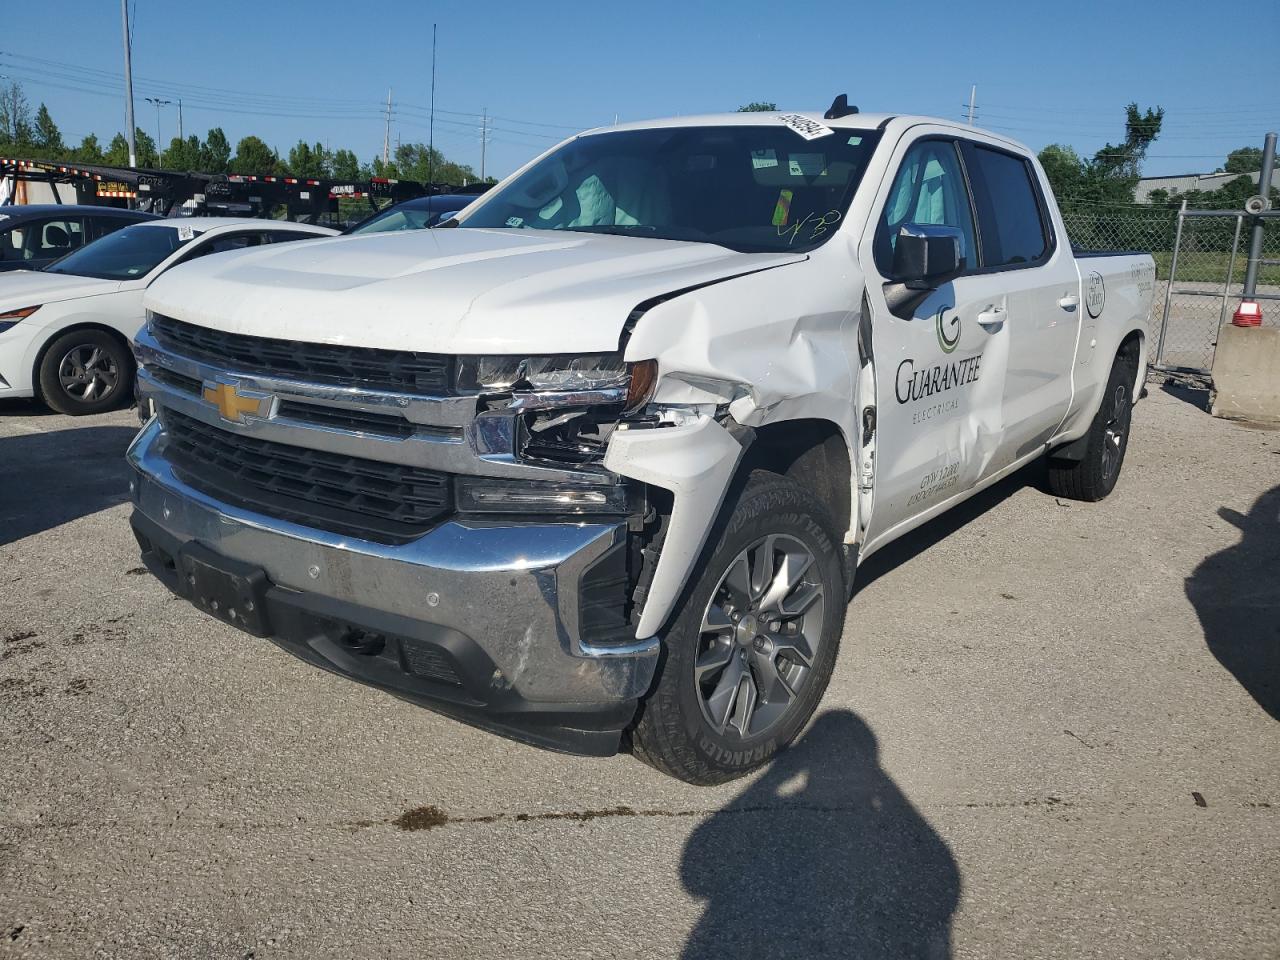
320	70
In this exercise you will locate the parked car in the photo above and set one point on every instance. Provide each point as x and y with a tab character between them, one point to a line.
415	214
64	330
597	467
32	237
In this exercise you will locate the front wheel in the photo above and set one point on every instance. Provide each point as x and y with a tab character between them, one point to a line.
85	371
753	644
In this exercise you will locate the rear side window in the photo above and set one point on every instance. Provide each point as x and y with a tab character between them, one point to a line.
1010	215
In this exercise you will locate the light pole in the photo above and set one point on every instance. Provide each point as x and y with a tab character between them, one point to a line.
159	103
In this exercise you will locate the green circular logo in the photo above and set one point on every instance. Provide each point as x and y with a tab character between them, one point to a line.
947	343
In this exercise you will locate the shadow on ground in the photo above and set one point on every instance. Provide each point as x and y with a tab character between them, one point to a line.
1193	393
1236	594
48	479
823	856
894	554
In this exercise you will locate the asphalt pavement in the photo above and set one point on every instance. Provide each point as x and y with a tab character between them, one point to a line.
1052	732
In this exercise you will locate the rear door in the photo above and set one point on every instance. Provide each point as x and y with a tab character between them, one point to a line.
1037	272
940	372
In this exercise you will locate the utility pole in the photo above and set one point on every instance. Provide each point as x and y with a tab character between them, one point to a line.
128	84
179	118
484	140
431	124
1255	241
973	102
386	136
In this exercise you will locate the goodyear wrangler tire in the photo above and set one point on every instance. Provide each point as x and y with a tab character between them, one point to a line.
1094	476
754	641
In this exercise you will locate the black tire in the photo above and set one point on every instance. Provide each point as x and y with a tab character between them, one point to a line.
1093	477
86	371
770	519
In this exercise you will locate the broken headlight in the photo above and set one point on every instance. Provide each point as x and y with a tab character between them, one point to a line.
592	371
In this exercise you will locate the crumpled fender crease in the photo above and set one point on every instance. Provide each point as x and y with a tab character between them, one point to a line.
770	348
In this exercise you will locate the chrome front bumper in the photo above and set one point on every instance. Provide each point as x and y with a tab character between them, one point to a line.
511	587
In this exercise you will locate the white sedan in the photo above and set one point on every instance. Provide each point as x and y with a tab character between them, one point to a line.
65	330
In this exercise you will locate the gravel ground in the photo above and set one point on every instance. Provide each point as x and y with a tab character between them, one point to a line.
1052	732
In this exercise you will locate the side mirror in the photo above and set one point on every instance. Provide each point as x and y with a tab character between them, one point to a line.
925	257
927	254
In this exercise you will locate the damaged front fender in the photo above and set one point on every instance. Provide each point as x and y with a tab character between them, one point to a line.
695	461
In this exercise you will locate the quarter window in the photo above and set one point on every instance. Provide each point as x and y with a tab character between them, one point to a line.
929	190
1009	209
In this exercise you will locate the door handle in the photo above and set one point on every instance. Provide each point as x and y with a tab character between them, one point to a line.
1069	302
992	317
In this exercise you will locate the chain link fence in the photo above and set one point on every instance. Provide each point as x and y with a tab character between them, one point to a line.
1212	251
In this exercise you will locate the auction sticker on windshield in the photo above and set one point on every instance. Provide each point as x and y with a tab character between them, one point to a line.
809	129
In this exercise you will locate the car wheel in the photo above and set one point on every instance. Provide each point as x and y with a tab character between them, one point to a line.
1094	476
752	646
85	371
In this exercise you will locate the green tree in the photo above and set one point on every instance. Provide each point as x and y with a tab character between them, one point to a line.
310	161
118	150
254	156
89	150
1111	175
417	161
15	116
145	144
47	136
183	154
346	166
1244	160
758	106
1063	168
215	152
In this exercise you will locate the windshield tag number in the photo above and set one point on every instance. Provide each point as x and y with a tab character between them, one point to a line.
809	129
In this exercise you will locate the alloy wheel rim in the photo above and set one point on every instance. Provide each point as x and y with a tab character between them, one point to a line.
1116	428
88	373
759	636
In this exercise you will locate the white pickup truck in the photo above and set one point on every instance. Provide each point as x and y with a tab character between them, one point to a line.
594	465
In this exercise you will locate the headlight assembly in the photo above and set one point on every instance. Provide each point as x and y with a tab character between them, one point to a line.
12	317
593	371
562	373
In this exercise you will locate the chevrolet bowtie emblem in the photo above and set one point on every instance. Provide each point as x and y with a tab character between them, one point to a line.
234	403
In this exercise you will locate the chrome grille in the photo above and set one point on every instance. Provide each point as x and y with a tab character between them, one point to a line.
370	368
330	491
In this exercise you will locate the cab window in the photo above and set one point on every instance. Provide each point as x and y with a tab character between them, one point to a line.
930	190
1011	215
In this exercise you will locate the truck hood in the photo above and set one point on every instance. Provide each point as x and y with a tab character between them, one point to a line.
25	288
457	290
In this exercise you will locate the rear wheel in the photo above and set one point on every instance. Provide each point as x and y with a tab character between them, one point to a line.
752	647
1095	475
85	371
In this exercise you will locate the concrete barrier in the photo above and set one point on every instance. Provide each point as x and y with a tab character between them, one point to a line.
1246	374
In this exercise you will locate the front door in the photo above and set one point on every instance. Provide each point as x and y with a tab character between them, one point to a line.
940	373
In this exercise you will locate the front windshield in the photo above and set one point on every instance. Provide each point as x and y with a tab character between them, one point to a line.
749	188
389	221
126	254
